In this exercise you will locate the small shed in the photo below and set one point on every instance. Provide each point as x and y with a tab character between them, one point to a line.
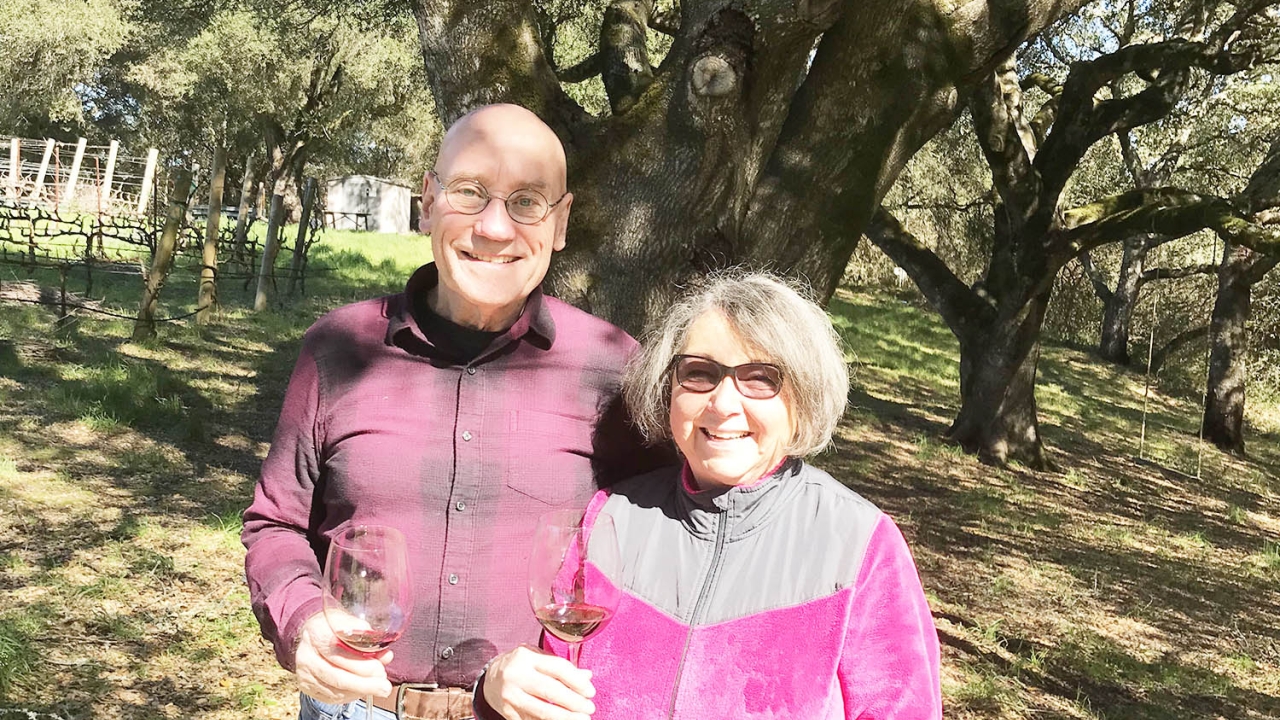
365	202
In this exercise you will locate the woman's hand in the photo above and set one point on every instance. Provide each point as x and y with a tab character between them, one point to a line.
528	684
330	673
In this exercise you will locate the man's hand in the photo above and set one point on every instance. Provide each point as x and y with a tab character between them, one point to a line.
528	684
330	673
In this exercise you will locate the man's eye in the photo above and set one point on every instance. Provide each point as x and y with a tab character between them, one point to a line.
468	190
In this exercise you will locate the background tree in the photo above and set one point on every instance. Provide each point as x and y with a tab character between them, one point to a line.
48	49
1033	156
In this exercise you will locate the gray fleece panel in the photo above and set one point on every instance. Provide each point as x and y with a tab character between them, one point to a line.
797	536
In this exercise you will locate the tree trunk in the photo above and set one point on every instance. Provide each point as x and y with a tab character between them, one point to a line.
1117	315
997	418
766	138
1228	365
207	297
145	325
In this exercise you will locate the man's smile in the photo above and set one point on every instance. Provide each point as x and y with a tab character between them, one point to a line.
494	259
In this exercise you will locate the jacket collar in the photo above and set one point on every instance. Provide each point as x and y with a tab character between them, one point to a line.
743	509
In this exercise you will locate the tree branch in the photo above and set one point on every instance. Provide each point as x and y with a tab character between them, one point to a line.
1082	119
1182	339
666	21
585	70
1168	211
624	52
959	305
1177	273
1099	281
1005	138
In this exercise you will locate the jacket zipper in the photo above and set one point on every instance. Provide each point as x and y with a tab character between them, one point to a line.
697	609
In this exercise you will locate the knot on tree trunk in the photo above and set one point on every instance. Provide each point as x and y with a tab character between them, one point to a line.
722	56
713	77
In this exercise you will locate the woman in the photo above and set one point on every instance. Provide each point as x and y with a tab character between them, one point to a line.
755	585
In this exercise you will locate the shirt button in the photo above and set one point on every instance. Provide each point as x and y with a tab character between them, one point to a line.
460	506
466	436
446	653
471	371
453	579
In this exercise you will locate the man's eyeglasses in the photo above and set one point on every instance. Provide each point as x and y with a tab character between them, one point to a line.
758	381
469	197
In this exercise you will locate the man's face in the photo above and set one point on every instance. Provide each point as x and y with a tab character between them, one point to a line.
488	263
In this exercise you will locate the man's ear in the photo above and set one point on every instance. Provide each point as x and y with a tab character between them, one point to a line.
562	221
427	202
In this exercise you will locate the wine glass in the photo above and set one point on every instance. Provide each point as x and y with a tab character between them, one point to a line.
573	573
366	589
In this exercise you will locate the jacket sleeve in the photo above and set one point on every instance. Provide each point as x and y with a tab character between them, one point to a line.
889	668
281	565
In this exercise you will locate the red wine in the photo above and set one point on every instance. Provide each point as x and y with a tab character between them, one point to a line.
367	642
572	622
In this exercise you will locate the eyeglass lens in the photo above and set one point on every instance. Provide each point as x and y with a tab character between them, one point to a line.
758	381
470	197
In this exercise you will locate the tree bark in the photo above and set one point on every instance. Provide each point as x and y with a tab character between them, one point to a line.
1224	407
207	297
764	139
1117	316
997	418
145	325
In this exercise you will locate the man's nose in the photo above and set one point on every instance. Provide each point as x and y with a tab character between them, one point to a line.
494	222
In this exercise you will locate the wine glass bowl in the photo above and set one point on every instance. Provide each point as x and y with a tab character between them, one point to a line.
573	576
366	589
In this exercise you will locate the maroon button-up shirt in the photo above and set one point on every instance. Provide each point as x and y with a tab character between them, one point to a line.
380	426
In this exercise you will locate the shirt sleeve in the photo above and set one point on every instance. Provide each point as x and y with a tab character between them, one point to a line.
281	566
889	668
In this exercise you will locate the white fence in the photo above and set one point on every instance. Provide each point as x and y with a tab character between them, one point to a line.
76	176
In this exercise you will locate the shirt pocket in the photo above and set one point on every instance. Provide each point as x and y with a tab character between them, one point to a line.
549	458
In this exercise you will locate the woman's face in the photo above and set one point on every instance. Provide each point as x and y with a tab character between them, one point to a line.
728	439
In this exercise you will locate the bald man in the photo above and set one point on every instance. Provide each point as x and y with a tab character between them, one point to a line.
457	412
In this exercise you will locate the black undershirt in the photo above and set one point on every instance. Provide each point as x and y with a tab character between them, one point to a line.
457	342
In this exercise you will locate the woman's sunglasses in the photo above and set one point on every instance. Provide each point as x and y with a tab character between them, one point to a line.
758	381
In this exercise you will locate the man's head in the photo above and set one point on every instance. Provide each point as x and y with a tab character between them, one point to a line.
489	262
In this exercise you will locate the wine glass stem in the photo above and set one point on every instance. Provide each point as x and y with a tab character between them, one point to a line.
368	703
575	651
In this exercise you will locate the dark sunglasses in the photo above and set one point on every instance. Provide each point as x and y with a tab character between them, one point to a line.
758	381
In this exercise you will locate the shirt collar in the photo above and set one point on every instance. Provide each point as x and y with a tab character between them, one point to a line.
535	319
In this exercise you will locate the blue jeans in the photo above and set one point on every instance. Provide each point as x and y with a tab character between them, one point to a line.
312	709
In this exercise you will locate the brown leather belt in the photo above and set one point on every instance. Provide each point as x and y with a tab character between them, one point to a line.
427	701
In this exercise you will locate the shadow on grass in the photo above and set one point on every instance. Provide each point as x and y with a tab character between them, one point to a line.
1035	572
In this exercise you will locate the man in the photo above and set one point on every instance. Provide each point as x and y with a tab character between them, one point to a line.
457	411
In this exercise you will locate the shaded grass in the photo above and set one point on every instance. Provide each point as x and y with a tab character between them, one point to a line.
1119	588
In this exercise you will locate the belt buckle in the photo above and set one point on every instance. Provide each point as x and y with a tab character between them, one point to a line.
400	691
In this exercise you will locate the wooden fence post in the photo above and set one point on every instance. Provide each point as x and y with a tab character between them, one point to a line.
242	217
304	230
69	195
145	326
270	247
44	168
148	176
15	167
207	300
104	190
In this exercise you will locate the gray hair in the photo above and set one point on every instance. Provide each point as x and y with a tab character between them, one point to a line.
774	318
